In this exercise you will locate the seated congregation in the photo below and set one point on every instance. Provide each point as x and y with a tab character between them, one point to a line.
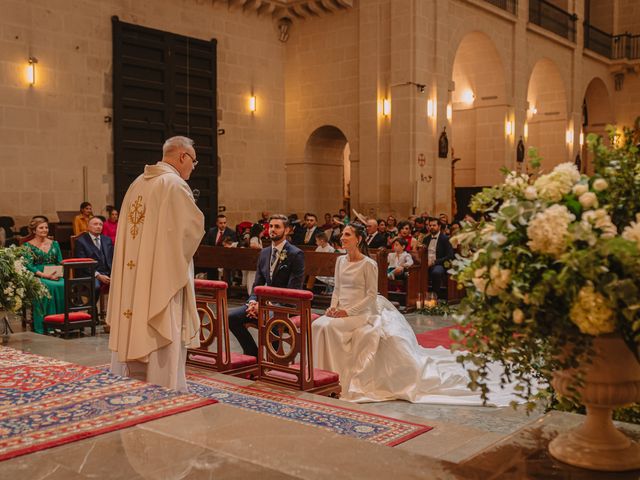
357	266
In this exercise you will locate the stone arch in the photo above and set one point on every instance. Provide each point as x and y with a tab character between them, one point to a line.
547	117
479	109
319	183
597	112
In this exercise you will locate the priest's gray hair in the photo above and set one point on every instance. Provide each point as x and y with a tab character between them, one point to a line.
174	143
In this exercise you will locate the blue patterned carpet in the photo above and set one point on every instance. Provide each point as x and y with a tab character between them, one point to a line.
344	421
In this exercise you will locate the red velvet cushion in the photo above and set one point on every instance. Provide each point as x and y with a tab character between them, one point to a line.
296	319
73	317
283	292
238	360
320	377
201	284
78	260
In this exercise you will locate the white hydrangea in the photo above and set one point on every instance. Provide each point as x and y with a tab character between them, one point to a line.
559	182
548	230
632	232
516	181
601	220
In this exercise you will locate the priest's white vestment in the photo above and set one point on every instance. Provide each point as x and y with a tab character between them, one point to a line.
152	308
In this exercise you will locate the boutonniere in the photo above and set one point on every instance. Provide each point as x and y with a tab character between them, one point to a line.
283	256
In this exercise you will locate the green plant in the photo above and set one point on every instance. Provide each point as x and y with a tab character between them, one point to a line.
18	286
554	263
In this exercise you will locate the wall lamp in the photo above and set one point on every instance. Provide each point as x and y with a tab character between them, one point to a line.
253	103
431	108
386	107
569	137
31	71
508	128
449	112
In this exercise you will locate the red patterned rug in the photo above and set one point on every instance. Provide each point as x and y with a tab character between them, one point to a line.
46	402
345	421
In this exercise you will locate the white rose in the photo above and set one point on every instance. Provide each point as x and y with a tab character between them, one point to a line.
518	316
580	189
600	184
530	193
588	200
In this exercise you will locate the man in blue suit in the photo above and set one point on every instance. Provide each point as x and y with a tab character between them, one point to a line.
94	245
279	265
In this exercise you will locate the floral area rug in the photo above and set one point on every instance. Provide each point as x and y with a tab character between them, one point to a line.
345	421
46	402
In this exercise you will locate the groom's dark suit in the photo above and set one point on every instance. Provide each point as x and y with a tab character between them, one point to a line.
288	273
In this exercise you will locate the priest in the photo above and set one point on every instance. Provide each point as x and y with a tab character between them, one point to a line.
152	307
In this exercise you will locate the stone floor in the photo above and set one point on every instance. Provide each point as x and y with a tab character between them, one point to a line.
220	441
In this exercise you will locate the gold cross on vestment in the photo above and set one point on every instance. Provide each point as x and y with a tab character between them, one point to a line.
128	314
131	264
136	215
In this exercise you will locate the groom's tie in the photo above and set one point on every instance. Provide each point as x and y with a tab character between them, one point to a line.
274	260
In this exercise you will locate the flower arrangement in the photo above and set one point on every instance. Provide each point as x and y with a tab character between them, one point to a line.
18	286
554	262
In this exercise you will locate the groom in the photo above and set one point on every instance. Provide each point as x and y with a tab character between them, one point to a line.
279	265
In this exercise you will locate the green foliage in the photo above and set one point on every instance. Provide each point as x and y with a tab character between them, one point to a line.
18	286
554	262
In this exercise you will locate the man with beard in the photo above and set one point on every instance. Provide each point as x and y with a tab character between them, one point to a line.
439	256
279	265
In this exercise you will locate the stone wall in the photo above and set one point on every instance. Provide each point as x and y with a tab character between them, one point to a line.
318	93
52	131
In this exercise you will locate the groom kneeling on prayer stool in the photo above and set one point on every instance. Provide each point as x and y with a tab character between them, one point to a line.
279	265
152	305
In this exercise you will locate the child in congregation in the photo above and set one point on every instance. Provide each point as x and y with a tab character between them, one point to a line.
399	260
322	240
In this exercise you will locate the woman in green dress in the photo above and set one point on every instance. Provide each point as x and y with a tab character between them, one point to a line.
41	251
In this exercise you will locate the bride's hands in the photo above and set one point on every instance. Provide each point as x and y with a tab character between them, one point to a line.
336	313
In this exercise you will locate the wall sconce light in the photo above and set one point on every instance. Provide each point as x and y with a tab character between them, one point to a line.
449	112
31	71
569	137
253	103
533	110
526	131
386	107
581	139
431	108
468	97
508	128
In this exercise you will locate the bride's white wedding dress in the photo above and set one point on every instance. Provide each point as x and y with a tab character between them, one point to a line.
376	353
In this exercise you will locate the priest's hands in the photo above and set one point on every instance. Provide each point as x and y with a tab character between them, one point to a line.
252	309
104	279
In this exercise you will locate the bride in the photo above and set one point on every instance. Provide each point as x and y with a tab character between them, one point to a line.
373	348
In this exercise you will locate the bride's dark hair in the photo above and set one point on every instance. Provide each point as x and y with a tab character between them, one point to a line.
361	234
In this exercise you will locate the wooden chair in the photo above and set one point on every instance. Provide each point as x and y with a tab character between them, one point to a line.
283	339
211	298
79	298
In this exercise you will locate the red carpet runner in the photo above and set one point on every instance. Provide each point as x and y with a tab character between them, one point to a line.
46	402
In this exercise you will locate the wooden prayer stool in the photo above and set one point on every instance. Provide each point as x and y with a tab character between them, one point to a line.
79	298
214	327
283	339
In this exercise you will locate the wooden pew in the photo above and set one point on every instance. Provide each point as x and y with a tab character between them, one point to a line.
315	263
